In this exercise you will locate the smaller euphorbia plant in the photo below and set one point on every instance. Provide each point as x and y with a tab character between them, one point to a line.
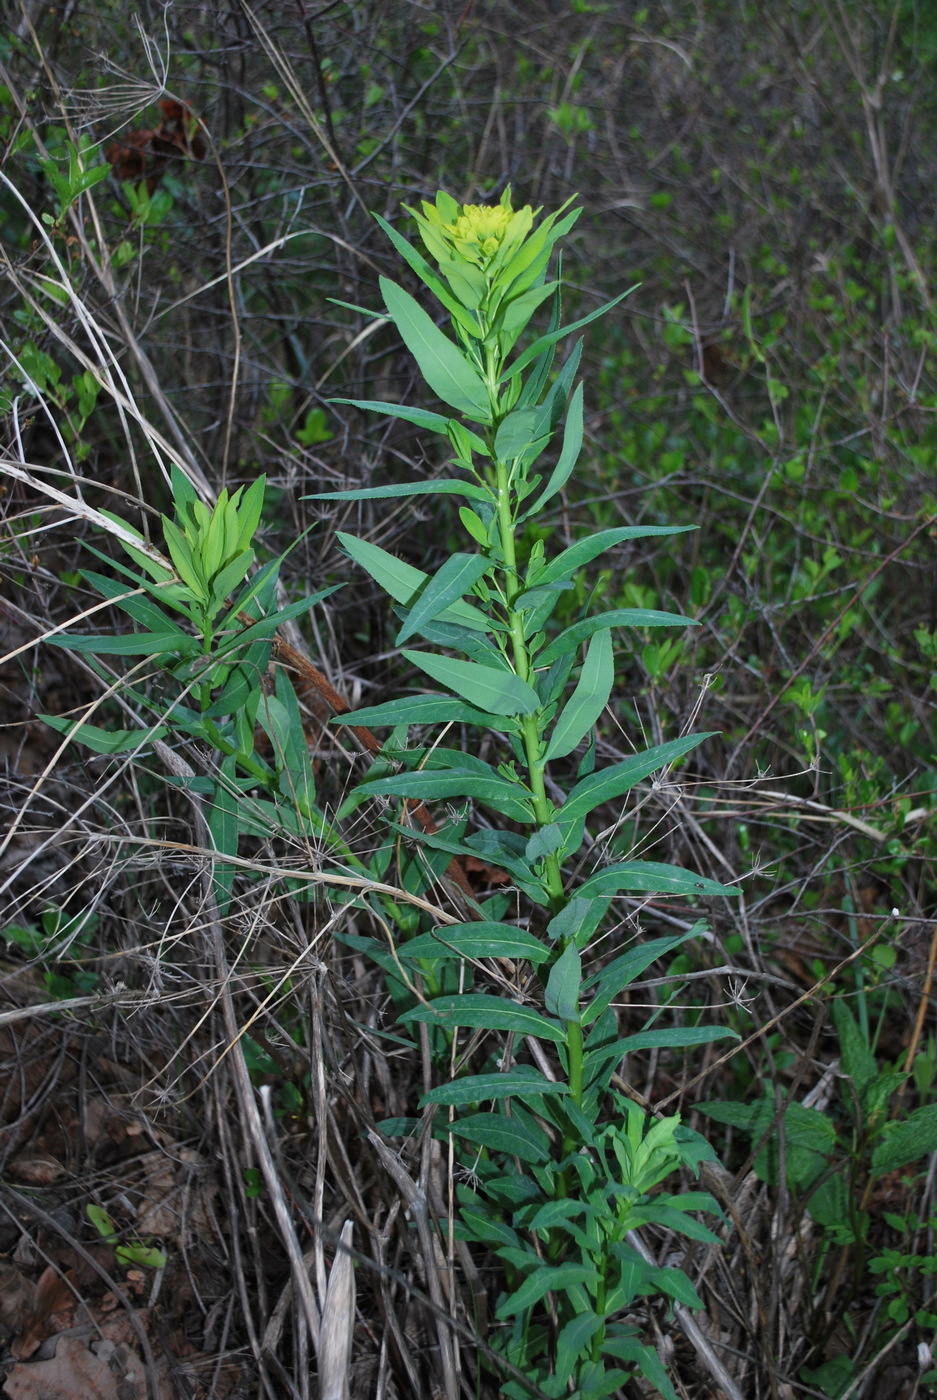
562	1169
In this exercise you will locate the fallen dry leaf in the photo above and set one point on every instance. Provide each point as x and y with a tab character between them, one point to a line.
37	1171
17	1298
53	1311
73	1373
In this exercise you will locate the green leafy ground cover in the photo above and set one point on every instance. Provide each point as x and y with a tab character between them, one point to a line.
768	181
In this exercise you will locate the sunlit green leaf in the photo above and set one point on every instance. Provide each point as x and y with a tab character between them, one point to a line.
477	940
499	691
483	1011
583	708
519	1082
454	579
510	1137
574	636
106	740
651	877
442	364
610	783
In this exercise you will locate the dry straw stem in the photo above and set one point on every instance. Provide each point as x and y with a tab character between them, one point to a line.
338	1322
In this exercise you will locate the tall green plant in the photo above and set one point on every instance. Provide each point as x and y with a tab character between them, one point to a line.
562	1170
212	668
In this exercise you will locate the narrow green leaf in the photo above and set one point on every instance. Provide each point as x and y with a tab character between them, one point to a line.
666	1038
584	551
230	576
174	643
105	740
500	692
281	718
561	997
572	637
516	311
482	1011
140	608
456	577
552	337
509	1137
223	826
430	785
413	488
187	566
573	1342
442	364
647	1361
623	970
427	275
477	940
421	417
520	1082
426	709
515	433
651	877
264	627
610	783
402	581
546	841
569	454
249	512
583	708
555	1279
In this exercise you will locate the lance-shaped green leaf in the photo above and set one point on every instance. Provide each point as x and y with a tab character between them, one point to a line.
402	581
442	364
552	337
422	417
579	632
497	690
610	783
134	604
520	1082
105	740
265	626
561	997
280	717
509	1137
187	566
427	275
412	488
427	709
623	970
450	583
584	551
587	701
664	1038
493	847
431	785
651	877
482	1011
514	313
515	433
223	827
476	940
174	642
569	454
548	1279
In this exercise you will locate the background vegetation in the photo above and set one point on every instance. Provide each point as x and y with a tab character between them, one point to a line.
767	176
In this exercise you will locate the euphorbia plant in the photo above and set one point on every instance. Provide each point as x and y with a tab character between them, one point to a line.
562	1169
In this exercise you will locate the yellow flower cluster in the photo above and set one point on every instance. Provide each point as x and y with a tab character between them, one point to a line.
478	231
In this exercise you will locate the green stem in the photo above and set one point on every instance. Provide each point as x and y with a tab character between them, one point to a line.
543	808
